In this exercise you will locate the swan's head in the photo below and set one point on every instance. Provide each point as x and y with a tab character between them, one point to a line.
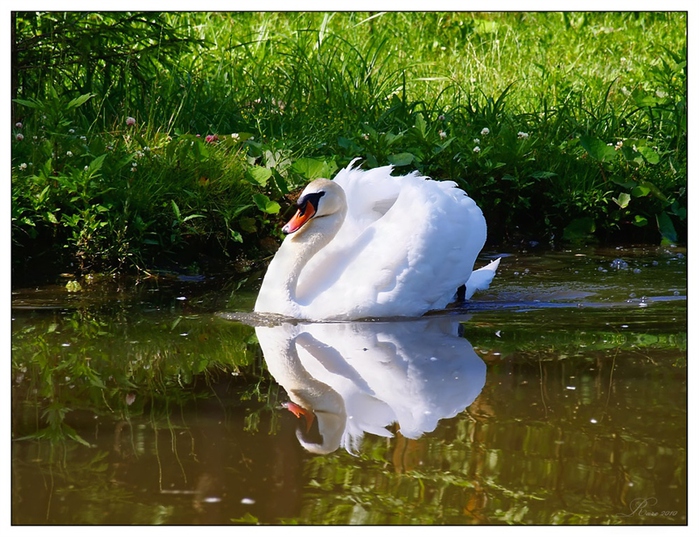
320	198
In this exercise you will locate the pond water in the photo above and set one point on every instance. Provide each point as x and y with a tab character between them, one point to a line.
557	397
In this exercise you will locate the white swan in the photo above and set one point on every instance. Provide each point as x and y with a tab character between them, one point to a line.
369	244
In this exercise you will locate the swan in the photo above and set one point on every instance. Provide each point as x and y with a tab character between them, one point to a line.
369	244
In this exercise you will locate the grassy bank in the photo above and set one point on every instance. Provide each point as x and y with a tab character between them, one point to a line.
142	137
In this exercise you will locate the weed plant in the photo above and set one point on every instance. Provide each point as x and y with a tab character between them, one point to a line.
139	136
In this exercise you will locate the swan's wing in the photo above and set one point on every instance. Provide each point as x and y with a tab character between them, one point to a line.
404	262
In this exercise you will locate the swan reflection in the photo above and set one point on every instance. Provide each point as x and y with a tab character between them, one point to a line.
348	379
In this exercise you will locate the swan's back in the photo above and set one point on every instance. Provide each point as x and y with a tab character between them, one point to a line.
406	245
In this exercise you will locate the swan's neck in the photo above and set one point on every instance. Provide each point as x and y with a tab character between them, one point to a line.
278	291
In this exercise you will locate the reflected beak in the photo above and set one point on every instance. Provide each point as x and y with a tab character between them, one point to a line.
301	412
303	215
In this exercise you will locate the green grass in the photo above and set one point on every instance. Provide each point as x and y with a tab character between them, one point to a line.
562	126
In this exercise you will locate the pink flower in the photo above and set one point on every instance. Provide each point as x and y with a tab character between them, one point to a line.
130	122
211	138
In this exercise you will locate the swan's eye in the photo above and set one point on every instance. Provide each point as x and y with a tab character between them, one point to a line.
311	198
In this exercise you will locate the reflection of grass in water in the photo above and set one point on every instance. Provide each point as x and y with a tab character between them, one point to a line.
126	367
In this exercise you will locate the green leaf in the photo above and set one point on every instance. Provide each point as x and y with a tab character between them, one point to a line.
649	154
597	149
543	175
624	183
579	229
265	204
666	228
29	104
401	159
640	221
192	217
420	125
258	175
640	191
78	101
312	168
623	201
176	210
643	99
96	165
280	182
236	236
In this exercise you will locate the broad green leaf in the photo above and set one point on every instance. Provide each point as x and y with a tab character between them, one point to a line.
401	159
597	149
643	99
96	165
624	183
649	154
579	229
265	204
258	175
313	168
640	191
248	224
640	221
623	201
666	228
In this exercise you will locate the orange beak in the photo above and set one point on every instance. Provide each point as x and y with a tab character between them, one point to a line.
300	412
303	215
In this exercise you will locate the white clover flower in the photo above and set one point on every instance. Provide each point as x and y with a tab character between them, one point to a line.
23	166
441	117
69	153
365	135
235	136
71	131
476	141
83	138
130	122
86	168
522	135
485	131
18	124
442	135
476	149
19	136
618	145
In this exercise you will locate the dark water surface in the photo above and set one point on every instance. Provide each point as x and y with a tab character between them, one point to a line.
557	397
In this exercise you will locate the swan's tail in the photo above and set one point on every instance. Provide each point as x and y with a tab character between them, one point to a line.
480	279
